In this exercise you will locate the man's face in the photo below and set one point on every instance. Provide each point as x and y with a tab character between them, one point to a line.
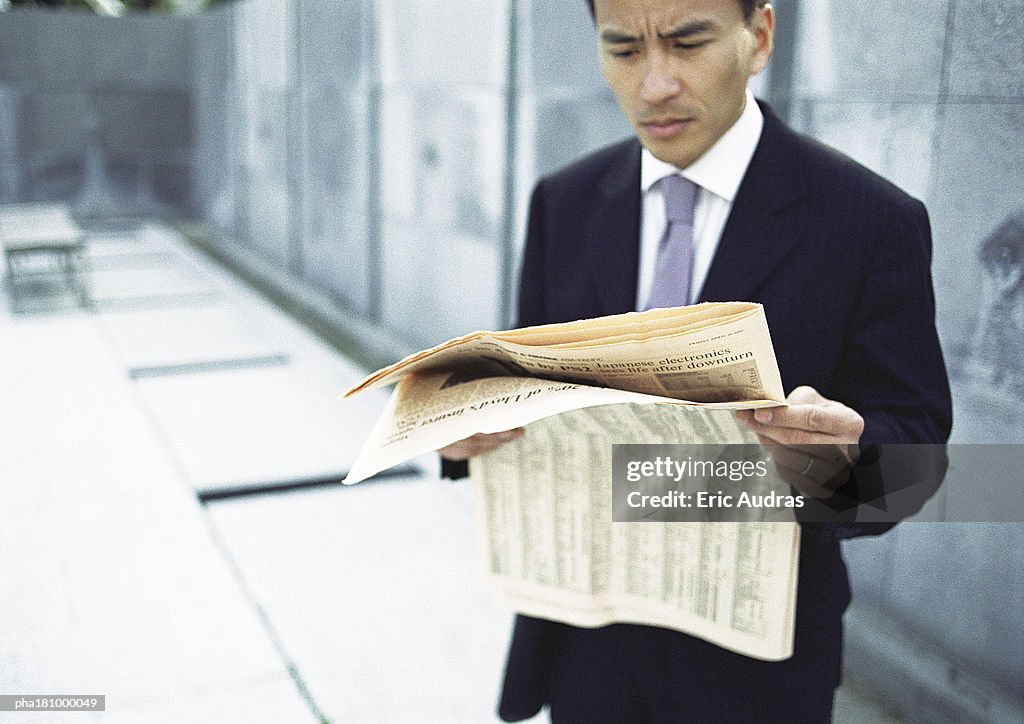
679	68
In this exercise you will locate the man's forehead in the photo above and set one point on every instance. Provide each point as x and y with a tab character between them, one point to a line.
662	16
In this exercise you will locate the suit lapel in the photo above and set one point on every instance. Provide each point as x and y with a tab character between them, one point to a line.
753	242
613	233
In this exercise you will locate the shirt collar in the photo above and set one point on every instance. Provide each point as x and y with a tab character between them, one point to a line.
722	167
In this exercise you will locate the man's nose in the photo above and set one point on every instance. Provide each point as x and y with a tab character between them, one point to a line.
660	83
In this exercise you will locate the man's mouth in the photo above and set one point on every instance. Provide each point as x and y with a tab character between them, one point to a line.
665	128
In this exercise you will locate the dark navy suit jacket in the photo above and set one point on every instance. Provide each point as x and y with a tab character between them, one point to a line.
840	258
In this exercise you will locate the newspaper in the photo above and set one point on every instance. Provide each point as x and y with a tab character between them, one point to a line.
550	548
544	502
712	354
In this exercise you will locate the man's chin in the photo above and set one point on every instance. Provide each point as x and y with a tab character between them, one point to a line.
669	153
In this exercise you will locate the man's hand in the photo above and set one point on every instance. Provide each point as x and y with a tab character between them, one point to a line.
479	444
813	441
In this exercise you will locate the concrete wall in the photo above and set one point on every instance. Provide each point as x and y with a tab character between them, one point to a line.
930	95
96	111
442	163
364	146
337	58
368	148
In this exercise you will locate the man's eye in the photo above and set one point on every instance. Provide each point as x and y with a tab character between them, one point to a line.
690	46
623	53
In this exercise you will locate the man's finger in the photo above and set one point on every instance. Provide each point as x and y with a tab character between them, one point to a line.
815	475
794	436
816	462
809	412
813	417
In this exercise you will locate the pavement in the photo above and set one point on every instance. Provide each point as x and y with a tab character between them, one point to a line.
173	534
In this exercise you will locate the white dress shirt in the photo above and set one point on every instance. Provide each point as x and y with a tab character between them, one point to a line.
718	174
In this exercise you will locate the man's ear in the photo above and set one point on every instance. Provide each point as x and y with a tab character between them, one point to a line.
762	25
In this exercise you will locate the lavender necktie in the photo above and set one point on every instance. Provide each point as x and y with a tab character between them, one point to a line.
671	286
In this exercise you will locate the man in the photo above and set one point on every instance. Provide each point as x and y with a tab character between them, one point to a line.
839	258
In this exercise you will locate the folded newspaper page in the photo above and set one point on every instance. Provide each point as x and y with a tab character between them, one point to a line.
551	550
712	355
544	502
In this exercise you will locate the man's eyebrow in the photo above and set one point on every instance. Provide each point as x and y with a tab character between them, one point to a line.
617	37
687	30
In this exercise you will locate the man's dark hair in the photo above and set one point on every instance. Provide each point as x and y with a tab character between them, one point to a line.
748	7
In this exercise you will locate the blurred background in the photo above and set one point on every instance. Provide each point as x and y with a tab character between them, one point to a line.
272	198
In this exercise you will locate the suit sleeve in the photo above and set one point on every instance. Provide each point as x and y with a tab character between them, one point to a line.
893	367
893	374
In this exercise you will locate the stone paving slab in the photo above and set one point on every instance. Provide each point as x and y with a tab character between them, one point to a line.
253	427
110	579
121	285
376	593
155	339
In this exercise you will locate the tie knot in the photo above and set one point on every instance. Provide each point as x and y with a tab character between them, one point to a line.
680	194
